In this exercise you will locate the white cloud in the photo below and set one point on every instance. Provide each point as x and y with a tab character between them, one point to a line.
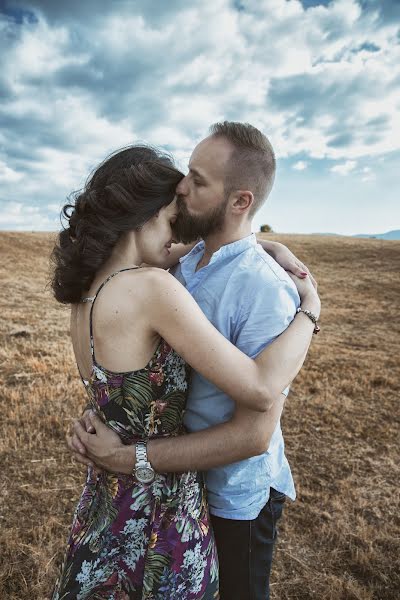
8	175
367	175
300	165
344	168
54	207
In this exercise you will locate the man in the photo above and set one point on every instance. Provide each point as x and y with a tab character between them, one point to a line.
244	293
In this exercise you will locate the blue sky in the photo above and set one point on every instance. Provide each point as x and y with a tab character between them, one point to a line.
320	78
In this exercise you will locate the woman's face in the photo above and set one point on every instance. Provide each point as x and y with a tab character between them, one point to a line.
156	236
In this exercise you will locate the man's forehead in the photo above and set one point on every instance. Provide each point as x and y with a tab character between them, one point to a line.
210	156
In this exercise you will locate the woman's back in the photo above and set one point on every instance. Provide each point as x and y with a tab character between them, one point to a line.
123	339
139	384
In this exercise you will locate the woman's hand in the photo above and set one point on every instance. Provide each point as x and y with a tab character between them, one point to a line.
101	449
286	259
308	294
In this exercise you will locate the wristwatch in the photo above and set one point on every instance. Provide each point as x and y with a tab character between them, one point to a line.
143	470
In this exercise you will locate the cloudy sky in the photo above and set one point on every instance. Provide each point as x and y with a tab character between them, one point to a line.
321	78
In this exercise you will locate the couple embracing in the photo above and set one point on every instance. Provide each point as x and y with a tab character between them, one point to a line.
187	334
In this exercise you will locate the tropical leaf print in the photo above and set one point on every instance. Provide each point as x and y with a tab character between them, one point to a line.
101	516
137	391
116	395
155	565
171	414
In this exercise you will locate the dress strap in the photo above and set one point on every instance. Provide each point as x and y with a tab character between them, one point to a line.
92	299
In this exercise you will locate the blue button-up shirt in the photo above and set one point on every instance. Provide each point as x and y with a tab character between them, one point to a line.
250	299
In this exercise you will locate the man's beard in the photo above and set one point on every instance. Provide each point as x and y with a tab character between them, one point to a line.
188	229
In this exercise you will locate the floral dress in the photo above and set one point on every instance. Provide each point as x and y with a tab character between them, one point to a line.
130	540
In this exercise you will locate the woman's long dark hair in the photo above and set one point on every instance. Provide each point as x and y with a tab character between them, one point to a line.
122	194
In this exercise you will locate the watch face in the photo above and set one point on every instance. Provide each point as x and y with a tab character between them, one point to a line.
144	475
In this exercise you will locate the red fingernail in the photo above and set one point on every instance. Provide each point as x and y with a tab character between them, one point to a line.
303	273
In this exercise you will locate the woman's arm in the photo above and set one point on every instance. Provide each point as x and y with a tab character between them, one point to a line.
286	259
283	256
252	383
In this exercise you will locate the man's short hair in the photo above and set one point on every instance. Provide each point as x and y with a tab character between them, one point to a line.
252	164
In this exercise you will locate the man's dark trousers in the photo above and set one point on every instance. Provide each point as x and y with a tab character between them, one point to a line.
245	550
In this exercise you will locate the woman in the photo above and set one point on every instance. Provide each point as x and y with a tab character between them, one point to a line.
132	537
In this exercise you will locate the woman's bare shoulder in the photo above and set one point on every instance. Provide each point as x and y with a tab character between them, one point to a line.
149	279
134	290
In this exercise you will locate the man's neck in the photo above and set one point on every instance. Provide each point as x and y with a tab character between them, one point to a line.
215	241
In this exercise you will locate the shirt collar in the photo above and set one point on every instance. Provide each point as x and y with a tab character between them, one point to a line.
233	249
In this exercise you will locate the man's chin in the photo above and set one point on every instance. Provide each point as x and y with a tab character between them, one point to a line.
190	228
186	229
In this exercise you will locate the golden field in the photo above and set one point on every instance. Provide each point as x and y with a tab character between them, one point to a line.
339	541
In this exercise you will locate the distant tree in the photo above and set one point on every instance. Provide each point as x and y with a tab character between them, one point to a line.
266	229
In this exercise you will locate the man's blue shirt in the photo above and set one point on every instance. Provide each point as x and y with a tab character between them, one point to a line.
250	299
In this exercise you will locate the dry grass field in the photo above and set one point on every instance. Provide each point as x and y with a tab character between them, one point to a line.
338	541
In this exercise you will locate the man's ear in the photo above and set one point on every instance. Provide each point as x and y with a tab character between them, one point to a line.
242	201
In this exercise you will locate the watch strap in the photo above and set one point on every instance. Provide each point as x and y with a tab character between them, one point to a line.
141	453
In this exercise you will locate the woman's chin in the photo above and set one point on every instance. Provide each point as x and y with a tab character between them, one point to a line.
159	261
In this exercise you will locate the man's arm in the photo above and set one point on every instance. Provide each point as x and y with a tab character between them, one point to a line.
247	433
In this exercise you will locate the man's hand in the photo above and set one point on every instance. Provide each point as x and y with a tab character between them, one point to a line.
74	444
286	259
101	449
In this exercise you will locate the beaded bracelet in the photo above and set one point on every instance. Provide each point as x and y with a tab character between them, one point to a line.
313	318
